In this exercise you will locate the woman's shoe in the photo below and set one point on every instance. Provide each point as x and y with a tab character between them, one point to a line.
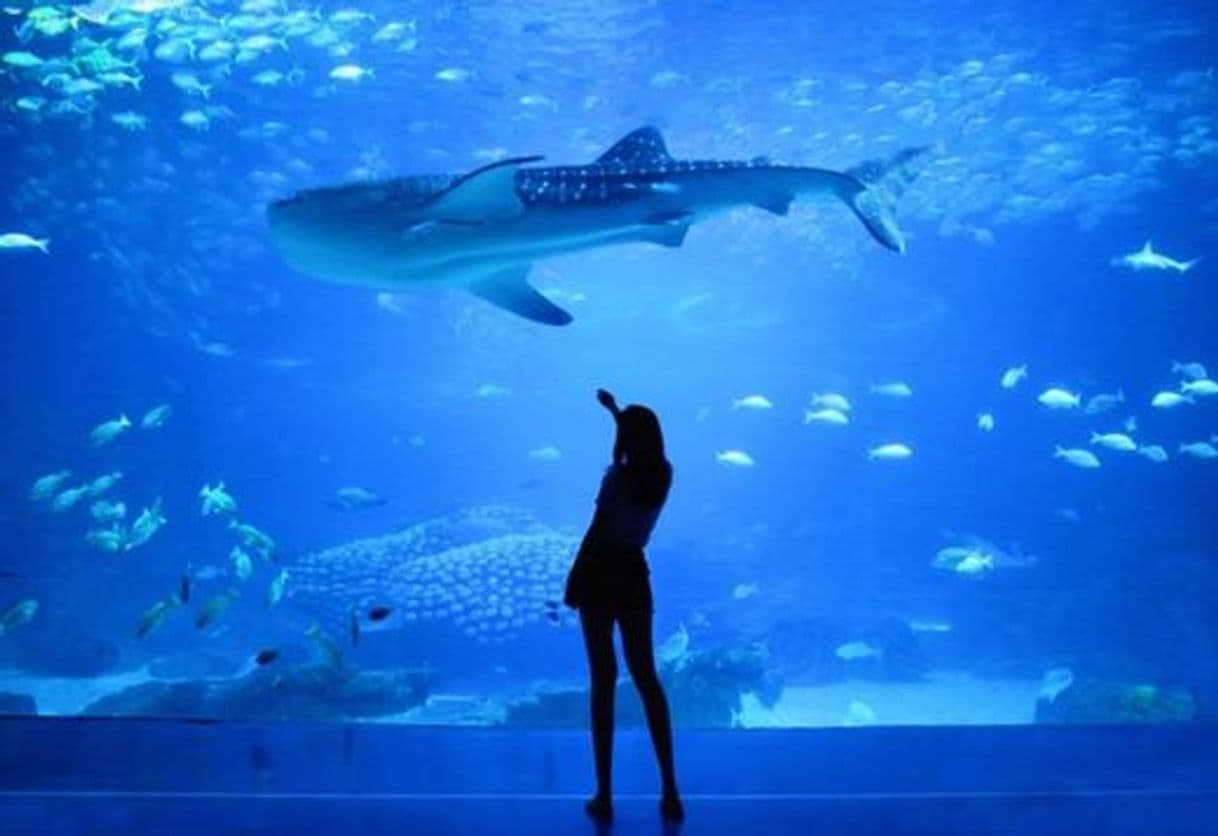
671	808
599	808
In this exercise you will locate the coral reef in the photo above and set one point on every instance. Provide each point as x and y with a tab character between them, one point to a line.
1098	701
302	692
11	703
704	690
488	570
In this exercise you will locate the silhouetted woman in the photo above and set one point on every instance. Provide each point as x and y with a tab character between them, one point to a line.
609	582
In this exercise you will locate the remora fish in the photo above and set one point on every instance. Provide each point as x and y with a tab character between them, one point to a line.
483	231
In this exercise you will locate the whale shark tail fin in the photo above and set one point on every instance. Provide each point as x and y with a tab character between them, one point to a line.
876	185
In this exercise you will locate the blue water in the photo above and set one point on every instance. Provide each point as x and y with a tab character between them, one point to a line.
1062	139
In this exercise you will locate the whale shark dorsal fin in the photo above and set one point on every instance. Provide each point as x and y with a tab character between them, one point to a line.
638	148
484	195
1147	249
509	289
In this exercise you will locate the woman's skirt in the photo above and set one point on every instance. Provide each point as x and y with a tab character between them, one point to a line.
609	578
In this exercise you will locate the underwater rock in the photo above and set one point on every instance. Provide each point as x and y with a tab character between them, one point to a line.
803	649
61	653
704	691
704	688
487	570
1098	701
903	659
316	692
12	704
808	651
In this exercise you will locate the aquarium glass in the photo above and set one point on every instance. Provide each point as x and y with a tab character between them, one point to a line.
307	304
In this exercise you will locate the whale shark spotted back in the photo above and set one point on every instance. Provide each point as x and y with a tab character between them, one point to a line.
482	231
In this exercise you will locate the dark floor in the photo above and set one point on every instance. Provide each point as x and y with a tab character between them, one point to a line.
148	776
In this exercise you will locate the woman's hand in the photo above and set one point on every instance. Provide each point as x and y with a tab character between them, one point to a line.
607	401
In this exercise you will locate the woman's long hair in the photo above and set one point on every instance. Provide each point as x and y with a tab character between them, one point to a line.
639	451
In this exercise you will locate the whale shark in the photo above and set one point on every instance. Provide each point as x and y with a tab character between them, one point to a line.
483	231
1147	259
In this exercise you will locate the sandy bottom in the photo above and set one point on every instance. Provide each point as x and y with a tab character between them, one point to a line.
942	699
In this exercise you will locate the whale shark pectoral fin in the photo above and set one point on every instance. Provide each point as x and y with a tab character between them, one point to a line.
485	195
509	289
779	204
667	229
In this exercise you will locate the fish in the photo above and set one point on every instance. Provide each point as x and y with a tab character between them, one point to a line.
1199	450
21	241
379	613
112	540
744	591
831	400
68	498
265	656
107	431
325	645
1058	398
393	31
154	616
214	608
735	458
104	483
1201	386
1054	682
549	453
1154	452
1104	402
1193	371
105	511
254	539
826	416
855	650
184	588
45	486
1170	400
985	422
354	498
919	625
242	564
482	231
156	417
1077	457
274	592
453	75
752	402
351	72
1012	376
894	451
975	564
18	615
1115	441
189	84
491	390
895	389
674	648
1147	259
859	713
129	120
217	500
148	523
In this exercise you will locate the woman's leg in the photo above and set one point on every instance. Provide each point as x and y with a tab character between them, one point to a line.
602	670
640	660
